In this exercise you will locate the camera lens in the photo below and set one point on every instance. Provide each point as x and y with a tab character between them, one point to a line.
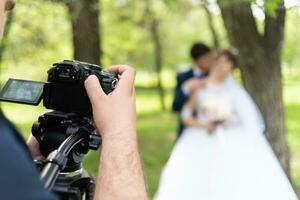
114	84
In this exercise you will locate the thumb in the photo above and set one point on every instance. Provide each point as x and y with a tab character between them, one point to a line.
94	89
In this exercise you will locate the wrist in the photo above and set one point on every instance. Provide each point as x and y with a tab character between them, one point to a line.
120	138
201	125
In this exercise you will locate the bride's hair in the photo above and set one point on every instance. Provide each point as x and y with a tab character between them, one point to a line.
231	55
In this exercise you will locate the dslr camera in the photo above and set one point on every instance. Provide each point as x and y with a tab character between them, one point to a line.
64	90
67	133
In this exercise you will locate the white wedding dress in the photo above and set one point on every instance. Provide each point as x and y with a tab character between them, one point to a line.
233	163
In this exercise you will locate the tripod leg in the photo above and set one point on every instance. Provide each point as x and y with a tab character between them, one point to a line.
90	189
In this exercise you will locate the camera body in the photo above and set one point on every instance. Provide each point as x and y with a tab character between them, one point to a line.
65	89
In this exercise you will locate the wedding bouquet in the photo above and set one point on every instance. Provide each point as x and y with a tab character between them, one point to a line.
217	110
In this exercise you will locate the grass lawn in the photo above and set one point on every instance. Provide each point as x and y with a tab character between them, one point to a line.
156	131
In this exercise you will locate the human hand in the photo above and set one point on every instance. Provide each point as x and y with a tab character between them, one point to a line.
115	118
210	127
114	114
193	84
34	148
226	124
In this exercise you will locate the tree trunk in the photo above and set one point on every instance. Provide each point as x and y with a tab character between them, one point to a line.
210	22
7	29
3	44
86	30
154	30
153	24
260	65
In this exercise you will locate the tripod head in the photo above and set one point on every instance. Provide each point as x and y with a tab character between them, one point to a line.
64	139
53	128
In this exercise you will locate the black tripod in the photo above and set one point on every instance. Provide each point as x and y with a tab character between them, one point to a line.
65	138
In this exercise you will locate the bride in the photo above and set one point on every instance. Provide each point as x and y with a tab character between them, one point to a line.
223	153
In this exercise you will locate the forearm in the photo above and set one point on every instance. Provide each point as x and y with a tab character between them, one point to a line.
193	122
120	175
179	100
34	148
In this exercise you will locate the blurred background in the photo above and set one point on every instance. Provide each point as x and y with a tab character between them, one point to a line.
155	36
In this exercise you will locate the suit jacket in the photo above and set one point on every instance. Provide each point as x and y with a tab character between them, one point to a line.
180	98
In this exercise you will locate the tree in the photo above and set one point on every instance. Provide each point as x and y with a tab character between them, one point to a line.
153	26
210	22
154	30
8	24
84	16
260	64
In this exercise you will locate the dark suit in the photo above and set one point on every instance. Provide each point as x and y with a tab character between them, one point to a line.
180	98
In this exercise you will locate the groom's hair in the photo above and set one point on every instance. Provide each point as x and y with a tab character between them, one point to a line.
198	50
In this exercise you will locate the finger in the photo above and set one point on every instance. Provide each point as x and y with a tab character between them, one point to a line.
127	77
94	89
118	69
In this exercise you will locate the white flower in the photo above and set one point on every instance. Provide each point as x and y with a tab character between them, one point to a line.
217	109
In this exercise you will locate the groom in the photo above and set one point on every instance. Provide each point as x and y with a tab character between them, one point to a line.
189	80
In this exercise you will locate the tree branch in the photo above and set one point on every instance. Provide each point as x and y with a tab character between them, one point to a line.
210	22
245	24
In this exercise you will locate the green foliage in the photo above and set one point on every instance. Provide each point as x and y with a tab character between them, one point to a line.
291	45
271	6
126	37
36	42
40	35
